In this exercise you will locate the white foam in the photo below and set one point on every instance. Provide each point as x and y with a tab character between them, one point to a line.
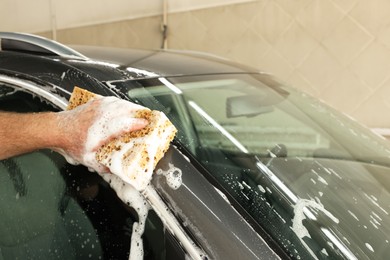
301	211
133	198
369	247
261	188
105	127
131	172
222	195
172	175
171	223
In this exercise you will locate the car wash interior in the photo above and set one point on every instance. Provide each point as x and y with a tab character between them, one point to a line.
282	146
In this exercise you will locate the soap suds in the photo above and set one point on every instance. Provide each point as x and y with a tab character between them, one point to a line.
172	175
133	157
301	211
261	188
171	223
222	195
369	247
300	208
133	198
104	127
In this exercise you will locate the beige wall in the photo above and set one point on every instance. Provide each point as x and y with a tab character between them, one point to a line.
337	50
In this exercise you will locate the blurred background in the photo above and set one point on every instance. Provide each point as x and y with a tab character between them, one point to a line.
335	50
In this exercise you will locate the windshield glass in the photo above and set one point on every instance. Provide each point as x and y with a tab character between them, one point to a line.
315	180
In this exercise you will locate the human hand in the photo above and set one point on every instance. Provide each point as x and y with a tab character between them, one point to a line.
87	127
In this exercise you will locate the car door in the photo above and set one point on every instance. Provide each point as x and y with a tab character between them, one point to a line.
51	209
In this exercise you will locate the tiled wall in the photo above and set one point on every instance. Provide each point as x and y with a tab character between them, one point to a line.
337	50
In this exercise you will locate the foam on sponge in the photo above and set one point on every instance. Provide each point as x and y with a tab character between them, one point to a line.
133	156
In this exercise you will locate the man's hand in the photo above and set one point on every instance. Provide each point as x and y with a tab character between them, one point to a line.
76	134
89	126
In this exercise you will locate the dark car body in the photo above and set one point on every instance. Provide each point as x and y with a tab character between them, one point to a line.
235	202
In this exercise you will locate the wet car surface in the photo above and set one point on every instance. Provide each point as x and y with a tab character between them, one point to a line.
268	172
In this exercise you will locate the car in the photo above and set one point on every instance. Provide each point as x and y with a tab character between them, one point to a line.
268	172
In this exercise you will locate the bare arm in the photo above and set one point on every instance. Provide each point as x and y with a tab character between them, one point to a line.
21	133
68	132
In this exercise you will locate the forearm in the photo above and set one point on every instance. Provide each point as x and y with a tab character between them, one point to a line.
24	132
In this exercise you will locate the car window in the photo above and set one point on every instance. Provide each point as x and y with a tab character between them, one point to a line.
315	180
51	209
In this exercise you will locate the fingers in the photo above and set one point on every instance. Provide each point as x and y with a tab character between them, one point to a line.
120	106
138	124
115	118
108	126
95	124
118	127
126	124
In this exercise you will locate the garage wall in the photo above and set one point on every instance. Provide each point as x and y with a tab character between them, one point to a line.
337	50
43	15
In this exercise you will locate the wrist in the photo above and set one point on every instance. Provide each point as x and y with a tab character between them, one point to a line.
56	135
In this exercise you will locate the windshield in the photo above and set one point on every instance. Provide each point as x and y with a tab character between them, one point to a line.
316	181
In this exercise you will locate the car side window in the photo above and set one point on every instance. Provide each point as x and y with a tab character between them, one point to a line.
51	209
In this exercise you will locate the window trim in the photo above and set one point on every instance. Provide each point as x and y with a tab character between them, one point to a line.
33	88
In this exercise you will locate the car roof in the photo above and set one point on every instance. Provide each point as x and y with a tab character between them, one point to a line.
79	65
164	62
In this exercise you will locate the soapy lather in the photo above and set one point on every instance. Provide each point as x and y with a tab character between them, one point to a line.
134	155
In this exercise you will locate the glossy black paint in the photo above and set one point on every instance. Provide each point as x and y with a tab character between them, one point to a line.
216	226
165	63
